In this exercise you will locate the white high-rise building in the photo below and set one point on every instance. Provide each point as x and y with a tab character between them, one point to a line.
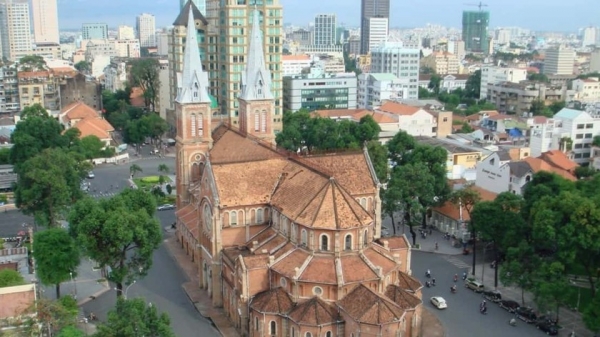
503	36
394	58
559	61
324	31
44	15
15	29
378	31
491	75
125	33
146	29
589	36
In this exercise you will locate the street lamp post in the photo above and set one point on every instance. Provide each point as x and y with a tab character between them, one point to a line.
74	285
126	289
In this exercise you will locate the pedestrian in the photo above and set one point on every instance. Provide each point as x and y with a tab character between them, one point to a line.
436	246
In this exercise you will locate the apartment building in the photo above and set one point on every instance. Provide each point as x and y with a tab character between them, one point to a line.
461	158
559	61
324	31
91	31
127	48
9	90
352	46
146	30
44	16
377	33
595	61
294	64
586	90
38	87
457	47
319	90
513	98
494	75
15	29
371	9
302	36
115	75
125	33
415	121
375	88
442	63
394	58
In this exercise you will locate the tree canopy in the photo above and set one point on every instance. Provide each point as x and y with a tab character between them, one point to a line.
120	233
56	257
9	278
133	317
144	74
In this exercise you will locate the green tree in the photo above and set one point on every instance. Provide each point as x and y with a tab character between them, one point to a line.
154	126
133	317
48	184
56	257
34	110
71	331
434	83
134	133
133	169
91	147
162	168
144	74
557	106
537	77
400	146
32	63
368	129
473	85
582	172
538	108
467	198
83	66
120	233
378	155
591	316
519	267
4	156
10	278
169	189
466	128
52	315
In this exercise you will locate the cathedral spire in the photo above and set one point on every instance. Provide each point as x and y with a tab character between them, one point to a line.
256	80
193	81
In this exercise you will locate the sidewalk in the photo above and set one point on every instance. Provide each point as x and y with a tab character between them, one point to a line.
198	296
427	244
431	325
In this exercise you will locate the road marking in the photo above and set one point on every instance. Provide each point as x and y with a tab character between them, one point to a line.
457	262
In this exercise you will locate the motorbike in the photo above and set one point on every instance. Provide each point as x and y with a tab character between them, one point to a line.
428	274
483	310
427	284
453	290
512	322
455	278
464	276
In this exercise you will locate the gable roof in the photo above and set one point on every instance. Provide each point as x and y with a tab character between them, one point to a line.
365	306
408	283
402	298
94	126
538	164
519	168
182	18
314	312
399	109
273	301
559	160
78	110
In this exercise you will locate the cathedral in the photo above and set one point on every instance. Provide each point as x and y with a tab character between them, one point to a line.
286	244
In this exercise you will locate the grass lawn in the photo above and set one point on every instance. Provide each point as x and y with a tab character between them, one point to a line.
583	294
146	183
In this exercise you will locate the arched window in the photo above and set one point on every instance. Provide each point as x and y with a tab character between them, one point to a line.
259	216
255	323
348	242
363	202
284	226
200	125
256	121
233	218
293	232
304	237
328	334
263	121
308	334
527	179
193	125
273	328
324	242
366	238
293	332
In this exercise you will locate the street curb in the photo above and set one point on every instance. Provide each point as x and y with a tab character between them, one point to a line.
93	296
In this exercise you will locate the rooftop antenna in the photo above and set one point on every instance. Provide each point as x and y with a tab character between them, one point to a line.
480	4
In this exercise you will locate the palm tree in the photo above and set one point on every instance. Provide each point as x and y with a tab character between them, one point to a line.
164	169
133	169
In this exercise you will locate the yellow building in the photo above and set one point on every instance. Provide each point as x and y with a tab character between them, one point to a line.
38	87
442	63
460	157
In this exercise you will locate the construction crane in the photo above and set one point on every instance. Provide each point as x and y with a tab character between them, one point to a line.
480	4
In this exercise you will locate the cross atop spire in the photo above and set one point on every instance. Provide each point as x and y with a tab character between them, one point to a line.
193	81
256	80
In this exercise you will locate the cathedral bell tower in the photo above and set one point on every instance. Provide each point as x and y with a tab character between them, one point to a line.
256	102
193	113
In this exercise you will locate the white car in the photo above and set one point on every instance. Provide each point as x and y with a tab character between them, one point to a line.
91	175
165	207
439	302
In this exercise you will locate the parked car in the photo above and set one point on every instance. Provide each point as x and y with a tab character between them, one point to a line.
439	302
547	318
165	207
547	327
492	295
509	305
474	285
526	314
91	175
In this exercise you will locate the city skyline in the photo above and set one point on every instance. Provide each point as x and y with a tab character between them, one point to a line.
554	15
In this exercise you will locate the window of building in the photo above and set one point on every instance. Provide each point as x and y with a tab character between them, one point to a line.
579	136
317	291
193	125
348	242
588	136
324	242
273	328
259	216
580	126
256	121
366	237
304	237
233	218
328	334
256	323
200	125
308	334
283	282
293	332
589	126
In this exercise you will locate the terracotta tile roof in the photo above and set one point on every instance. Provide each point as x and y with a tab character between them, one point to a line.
32	74
452	211
559	160
136	98
538	164
408	283
540	119
332	113
403	298
78	110
314	312
354	269
376	258
365	306
399	109
478	115
274	301
333	208
351	170
247	183
394	242
98	127
355	115
256	261
320	269
283	250
286	266
502	117
230	146
378	117
272	245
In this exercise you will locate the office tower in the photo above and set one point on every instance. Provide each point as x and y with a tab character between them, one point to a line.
589	36
125	33
200	4
475	31
377	32
559	61
45	21
228	51
15	29
146	29
503	36
324	31
394	58
370	9
91	31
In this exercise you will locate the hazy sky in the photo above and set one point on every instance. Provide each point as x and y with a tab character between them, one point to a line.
549	15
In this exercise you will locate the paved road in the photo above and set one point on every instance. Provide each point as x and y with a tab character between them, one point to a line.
462	318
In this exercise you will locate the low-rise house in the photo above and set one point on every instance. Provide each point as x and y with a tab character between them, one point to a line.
461	160
413	120
89	122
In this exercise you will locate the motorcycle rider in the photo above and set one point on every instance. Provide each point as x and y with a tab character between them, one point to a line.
453	288
433	281
512	321
455	277
428	273
464	275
